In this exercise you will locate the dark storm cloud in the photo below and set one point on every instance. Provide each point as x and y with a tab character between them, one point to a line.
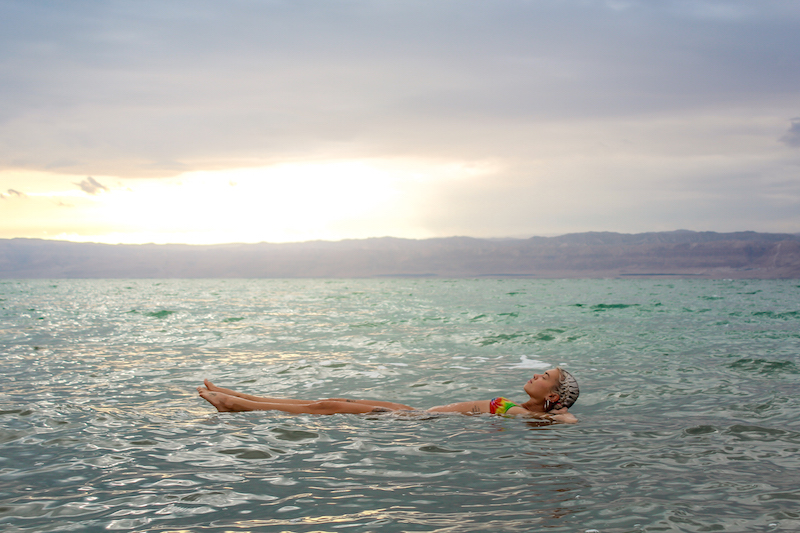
151	88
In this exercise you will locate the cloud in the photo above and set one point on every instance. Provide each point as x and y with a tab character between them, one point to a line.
91	186
153	89
12	192
792	137
607	96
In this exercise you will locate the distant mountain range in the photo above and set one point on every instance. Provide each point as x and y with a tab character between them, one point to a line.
579	255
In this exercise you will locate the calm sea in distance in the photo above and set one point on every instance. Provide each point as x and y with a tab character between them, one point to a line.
689	409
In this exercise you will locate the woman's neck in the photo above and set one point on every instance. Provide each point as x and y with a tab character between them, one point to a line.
534	406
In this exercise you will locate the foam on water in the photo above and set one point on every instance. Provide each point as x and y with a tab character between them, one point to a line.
689	416
530	363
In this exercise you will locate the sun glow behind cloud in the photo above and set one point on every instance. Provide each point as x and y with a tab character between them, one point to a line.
595	115
328	200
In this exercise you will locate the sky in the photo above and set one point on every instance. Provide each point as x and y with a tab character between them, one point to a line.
201	122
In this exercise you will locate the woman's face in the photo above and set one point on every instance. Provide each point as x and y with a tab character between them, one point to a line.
542	386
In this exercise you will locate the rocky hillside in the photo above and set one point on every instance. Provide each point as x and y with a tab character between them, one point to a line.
579	255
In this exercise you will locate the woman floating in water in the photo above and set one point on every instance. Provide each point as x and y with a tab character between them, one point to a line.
550	394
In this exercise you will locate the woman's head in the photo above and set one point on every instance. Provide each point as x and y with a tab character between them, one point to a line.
567	389
555	388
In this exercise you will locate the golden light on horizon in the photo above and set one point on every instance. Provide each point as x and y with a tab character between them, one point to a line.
291	202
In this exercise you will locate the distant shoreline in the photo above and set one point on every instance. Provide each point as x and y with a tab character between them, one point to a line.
679	254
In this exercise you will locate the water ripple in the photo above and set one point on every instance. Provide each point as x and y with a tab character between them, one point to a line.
688	407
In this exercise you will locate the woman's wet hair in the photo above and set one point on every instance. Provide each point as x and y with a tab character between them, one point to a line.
567	389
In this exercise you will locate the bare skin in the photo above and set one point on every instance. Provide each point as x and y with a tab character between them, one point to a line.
228	400
540	389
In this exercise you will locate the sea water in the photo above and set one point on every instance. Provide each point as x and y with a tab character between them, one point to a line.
689	408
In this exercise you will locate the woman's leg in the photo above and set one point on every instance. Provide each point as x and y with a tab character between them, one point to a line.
373	403
210	386
376	403
225	402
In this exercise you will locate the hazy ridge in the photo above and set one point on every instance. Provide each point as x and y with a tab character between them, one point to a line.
579	255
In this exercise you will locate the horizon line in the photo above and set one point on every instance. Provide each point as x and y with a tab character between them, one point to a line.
550	236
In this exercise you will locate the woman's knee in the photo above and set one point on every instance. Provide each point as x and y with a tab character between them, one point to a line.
328	406
333	407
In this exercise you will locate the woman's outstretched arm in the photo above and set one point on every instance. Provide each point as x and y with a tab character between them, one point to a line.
561	415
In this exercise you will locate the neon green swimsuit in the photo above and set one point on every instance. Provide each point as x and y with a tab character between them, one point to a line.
499	406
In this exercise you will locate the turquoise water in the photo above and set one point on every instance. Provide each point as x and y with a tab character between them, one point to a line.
689	411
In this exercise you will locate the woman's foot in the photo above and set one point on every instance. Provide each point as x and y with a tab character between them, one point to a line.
222	402
210	386
214	388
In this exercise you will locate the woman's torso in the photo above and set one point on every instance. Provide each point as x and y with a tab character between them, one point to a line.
497	406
